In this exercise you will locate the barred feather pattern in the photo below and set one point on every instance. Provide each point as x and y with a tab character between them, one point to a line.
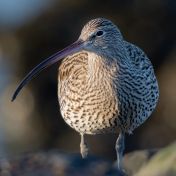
92	107
138	92
115	90
87	101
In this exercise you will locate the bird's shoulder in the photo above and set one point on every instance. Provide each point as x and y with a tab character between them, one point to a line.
137	56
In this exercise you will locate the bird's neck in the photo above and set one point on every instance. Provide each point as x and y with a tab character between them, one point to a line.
101	68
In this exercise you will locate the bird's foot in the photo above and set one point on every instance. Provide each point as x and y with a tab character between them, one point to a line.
83	147
84	150
119	150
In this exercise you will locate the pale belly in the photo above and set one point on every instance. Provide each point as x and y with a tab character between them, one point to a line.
91	113
90	107
87	105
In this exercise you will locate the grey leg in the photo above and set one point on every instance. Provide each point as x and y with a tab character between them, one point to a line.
120	146
83	147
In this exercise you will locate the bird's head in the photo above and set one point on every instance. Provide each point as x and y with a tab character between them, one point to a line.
99	35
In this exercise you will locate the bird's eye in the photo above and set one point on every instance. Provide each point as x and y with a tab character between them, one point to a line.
99	33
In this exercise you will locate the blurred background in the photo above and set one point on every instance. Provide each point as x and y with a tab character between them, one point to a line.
30	31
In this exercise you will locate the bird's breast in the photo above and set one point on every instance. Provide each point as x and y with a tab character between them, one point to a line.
87	104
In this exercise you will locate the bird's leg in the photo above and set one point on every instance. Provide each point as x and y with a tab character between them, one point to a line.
120	146
83	147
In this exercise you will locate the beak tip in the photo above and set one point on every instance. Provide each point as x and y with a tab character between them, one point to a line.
13	98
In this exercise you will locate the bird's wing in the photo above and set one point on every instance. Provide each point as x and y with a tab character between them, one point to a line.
138	57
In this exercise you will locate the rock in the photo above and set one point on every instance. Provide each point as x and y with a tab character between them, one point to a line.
54	163
156	162
135	160
161	164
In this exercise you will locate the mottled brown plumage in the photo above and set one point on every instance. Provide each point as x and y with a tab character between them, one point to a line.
105	84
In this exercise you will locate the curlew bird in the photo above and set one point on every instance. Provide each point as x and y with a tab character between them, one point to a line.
105	84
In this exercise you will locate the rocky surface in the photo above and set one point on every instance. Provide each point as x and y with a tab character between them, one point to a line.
161	164
134	161
53	163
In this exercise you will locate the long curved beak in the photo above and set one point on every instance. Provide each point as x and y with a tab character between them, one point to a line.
71	49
